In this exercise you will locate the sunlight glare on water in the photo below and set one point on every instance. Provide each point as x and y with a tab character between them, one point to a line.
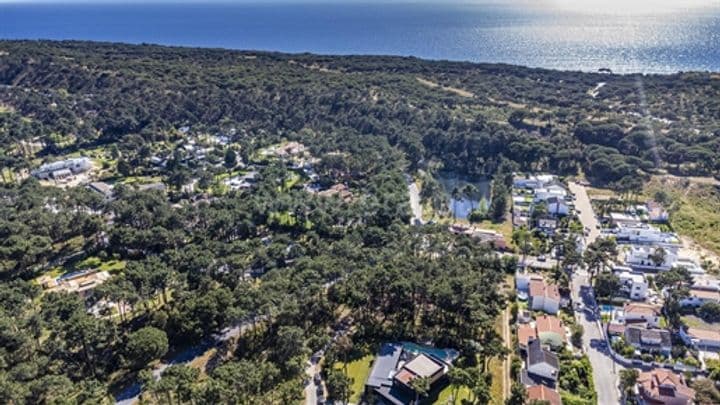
625	36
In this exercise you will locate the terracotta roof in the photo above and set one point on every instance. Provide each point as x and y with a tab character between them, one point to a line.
541	288
705	294
525	334
616	329
549	323
552	291
543	393
641	309
704	334
404	376
537	287
664	386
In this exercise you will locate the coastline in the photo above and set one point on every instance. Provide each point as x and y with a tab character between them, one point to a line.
713	74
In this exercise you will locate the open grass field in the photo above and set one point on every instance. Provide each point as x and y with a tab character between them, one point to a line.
695	210
358	370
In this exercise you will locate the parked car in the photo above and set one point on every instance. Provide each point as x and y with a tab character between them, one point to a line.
541	258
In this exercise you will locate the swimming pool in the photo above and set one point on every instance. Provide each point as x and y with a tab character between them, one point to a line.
446	355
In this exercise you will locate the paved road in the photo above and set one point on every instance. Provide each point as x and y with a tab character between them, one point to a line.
605	370
415	206
587	216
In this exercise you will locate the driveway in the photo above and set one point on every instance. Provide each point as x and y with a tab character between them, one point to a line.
605	369
311	387
586	215
415	206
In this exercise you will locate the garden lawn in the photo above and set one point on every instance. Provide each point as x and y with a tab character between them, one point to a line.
358	370
141	179
444	395
496	367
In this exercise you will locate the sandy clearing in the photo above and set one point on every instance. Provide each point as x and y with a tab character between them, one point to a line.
455	90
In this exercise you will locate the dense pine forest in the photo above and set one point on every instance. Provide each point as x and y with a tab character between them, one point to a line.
284	271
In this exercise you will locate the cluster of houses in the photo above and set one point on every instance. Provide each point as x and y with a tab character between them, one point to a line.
540	337
243	181
646	251
396	365
529	192
193	152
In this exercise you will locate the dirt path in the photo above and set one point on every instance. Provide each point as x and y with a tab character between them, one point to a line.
454	90
414	195
506	363
711	181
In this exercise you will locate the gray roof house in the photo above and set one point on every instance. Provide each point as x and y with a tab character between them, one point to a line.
652	340
540	362
101	188
398	364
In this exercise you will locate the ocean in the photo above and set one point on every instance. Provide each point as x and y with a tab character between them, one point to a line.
514	31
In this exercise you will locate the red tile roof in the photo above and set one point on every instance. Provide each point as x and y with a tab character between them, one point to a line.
664	386
705	294
525	334
616	329
704	334
641	309
543	393
549	323
541	288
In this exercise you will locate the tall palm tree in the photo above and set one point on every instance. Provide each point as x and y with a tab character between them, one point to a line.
456	195
421	386
469	191
521	238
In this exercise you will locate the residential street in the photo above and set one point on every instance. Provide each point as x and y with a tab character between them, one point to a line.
605	370
586	214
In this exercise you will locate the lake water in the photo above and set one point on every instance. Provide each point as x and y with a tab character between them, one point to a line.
461	207
531	33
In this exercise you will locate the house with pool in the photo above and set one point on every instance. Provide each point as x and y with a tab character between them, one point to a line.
396	365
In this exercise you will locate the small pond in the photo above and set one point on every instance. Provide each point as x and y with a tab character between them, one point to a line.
462	206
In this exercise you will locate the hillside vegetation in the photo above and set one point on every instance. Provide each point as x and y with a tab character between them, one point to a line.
73	95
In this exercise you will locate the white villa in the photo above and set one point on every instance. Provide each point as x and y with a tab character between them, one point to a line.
634	284
62	168
638	312
639	257
532	182
644	234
